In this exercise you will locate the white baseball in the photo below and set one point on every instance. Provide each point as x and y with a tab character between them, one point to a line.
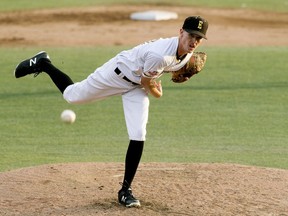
68	116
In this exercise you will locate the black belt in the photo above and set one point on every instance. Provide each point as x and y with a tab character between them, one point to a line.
118	72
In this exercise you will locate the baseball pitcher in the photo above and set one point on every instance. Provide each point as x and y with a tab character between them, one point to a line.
133	75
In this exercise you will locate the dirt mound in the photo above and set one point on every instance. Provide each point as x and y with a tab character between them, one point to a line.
164	189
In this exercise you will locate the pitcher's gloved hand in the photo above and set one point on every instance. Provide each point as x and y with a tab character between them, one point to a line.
192	67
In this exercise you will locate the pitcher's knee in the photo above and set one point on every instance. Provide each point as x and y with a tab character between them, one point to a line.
71	97
76	94
139	135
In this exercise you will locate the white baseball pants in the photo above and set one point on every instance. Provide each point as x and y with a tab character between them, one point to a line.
103	83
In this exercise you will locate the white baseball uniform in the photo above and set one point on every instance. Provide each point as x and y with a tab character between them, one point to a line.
122	76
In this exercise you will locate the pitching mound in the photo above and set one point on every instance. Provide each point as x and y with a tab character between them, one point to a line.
164	189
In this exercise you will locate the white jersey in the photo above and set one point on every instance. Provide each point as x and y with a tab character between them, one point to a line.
152	58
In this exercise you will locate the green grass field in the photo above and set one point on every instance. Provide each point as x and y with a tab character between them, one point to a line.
235	111
279	5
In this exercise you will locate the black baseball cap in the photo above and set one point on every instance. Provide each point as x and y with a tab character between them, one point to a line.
196	25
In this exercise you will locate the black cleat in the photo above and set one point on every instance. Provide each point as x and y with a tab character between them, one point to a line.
31	65
126	198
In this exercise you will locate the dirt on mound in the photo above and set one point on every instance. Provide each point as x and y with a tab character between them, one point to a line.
163	188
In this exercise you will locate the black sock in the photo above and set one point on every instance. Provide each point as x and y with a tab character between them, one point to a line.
133	157
60	79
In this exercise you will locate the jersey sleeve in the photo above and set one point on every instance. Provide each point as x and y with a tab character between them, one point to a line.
153	66
179	65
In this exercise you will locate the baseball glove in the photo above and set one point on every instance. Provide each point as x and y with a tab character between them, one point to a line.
192	67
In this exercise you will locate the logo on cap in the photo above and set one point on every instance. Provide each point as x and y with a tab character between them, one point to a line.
200	24
196	25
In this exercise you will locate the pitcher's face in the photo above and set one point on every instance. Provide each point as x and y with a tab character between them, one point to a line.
188	42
